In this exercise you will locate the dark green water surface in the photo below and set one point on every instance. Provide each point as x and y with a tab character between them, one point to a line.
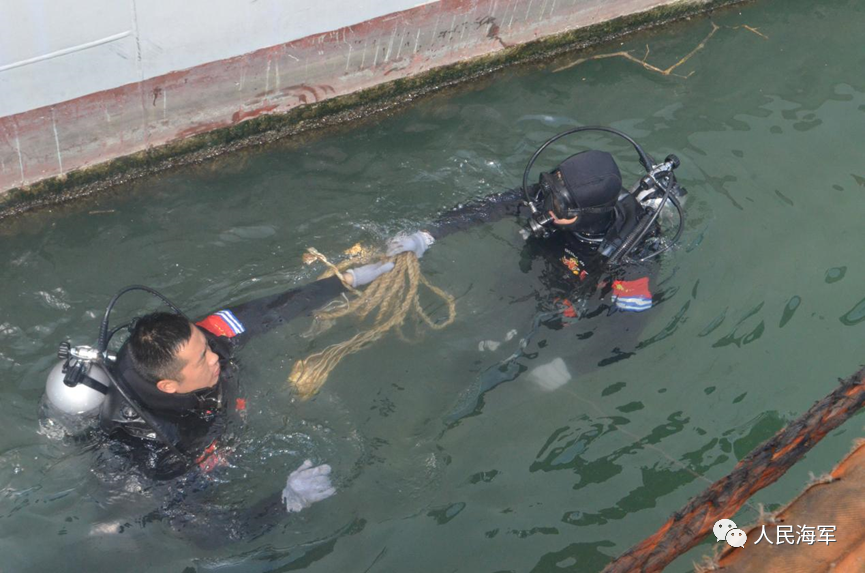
762	313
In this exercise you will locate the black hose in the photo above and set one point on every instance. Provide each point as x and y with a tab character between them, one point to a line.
115	330
675	201
645	159
640	231
127	394
102	344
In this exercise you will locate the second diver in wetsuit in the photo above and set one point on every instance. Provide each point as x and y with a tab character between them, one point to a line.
598	242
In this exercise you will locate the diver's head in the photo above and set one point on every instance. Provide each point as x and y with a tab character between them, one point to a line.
173	354
582	191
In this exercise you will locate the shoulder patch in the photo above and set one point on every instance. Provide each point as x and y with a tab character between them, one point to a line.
222	323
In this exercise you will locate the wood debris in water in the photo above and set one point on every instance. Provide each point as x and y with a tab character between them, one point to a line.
664	72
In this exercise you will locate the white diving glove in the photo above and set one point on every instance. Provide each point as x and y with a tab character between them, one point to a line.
307	485
368	273
417	243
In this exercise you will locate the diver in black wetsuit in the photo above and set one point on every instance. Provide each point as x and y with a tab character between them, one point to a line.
170	399
594	233
597	240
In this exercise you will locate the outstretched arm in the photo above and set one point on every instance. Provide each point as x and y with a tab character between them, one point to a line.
485	210
260	315
256	316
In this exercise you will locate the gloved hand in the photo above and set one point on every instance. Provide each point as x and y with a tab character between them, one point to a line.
368	273
307	485
417	243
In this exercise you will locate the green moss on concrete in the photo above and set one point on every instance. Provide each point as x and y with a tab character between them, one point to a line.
332	111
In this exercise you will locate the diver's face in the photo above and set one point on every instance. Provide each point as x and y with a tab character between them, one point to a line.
201	366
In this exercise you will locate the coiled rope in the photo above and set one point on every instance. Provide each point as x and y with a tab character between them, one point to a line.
389	301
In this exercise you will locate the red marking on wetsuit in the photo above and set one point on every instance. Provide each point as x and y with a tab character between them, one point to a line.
240	404
216	325
211	458
569	311
207	451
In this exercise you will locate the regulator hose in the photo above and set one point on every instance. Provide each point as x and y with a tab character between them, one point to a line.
645	159
102	344
127	394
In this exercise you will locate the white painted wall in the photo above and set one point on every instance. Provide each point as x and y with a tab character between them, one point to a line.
56	50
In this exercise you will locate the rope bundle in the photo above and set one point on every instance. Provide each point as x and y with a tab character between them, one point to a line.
389	300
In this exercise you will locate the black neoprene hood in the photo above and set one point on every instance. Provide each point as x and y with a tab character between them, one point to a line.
592	178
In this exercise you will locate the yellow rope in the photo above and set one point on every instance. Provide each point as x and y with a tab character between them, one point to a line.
389	301
311	255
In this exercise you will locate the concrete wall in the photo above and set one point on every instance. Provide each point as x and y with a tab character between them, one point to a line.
87	81
52	51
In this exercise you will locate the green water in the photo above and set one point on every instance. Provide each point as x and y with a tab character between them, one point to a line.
761	314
